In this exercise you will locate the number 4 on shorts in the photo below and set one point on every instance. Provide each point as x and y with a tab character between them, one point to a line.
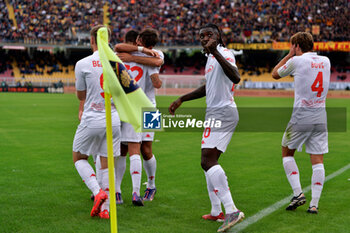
318	84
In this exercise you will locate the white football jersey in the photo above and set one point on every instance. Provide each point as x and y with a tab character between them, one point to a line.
149	88
138	72
219	88
311	81
89	77
142	73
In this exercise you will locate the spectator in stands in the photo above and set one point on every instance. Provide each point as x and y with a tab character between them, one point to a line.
178	22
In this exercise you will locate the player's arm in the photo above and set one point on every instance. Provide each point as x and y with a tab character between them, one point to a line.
129	48
291	54
156	81
81	96
198	93
148	61
80	86
230	70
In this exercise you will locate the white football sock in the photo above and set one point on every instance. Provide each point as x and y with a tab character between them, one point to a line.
218	179
98	171
105	187
292	173
120	166
317	181
135	172
88	175
150	168
214	200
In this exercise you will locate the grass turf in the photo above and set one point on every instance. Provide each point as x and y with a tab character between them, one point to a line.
40	190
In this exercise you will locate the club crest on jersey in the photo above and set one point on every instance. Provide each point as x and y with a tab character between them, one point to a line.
128	84
125	78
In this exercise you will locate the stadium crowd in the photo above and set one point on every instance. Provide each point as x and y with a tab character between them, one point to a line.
58	21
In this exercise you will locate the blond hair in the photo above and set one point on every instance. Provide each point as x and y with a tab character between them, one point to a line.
94	30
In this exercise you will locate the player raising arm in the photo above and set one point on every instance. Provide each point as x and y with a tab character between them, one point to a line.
308	123
145	71
221	74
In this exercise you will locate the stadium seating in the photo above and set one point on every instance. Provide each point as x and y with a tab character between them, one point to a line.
252	21
178	22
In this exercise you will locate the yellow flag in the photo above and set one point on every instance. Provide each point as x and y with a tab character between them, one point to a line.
127	96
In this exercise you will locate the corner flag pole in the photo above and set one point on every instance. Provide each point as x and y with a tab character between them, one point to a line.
109	135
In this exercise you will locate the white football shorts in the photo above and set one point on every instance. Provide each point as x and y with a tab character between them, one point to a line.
92	141
314	136
129	134
220	138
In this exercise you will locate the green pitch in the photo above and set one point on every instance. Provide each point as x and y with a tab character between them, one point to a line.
40	190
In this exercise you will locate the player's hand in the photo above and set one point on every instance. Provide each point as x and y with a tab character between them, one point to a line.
150	52
174	105
292	51
125	57
211	45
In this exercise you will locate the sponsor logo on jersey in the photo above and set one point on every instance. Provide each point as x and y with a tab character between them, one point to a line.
211	67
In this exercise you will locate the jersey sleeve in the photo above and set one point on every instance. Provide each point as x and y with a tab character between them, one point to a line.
287	69
156	70
228	55
80	84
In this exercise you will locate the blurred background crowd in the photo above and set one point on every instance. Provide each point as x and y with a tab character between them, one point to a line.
69	21
49	36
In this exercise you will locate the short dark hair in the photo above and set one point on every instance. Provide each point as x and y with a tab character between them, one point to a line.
304	40
149	37
131	36
215	27
94	30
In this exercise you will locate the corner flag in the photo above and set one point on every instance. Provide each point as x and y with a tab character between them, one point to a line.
129	100
127	96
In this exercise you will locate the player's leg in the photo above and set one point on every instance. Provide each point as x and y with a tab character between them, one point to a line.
150	166
291	169
292	173
87	141
135	171
83	138
95	158
293	139
104	208
317	146
104	211
217	178
216	213
317	181
214	142
98	168
86	172
120	167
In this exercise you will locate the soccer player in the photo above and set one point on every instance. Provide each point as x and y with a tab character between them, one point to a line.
308	123
221	74
90	136
146	72
151	60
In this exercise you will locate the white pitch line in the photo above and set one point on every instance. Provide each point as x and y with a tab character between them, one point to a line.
263	213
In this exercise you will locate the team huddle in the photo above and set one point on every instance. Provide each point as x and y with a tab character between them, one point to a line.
308	124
